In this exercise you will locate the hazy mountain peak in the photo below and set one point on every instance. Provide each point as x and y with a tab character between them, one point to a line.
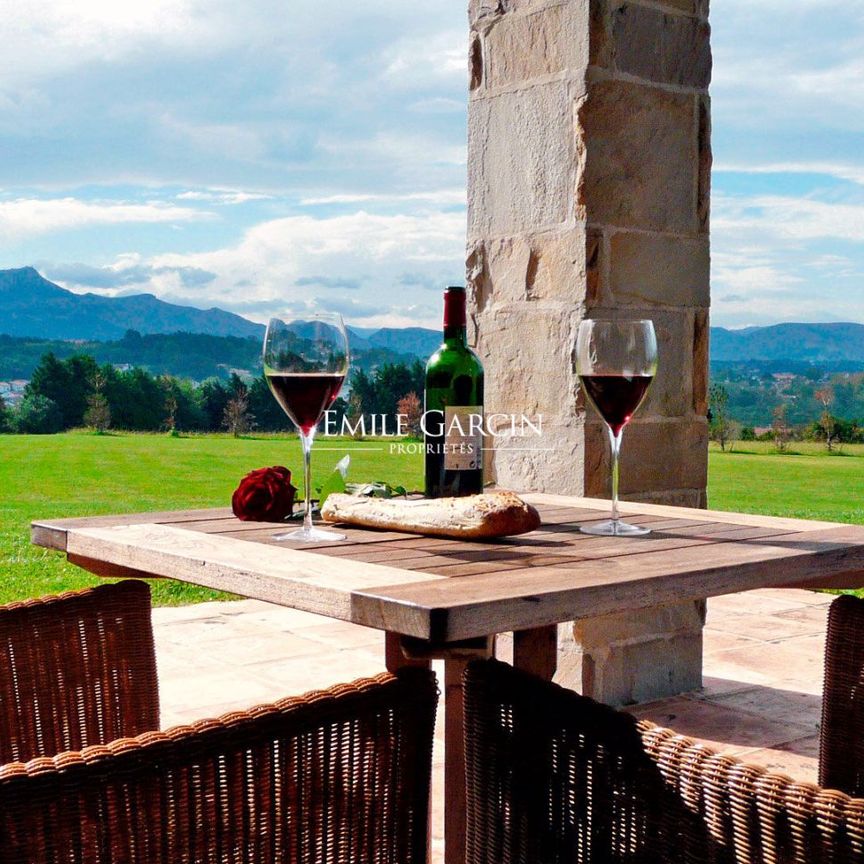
62	314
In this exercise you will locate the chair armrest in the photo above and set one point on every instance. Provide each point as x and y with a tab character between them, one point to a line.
336	775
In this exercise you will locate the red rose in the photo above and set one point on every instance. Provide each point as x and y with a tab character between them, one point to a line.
264	495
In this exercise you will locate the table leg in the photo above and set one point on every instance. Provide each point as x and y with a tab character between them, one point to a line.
536	651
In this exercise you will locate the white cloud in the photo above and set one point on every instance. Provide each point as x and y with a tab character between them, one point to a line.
434	58
222	196
372	265
24	217
787	218
440	197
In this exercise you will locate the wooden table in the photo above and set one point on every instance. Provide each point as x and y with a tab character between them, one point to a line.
437	598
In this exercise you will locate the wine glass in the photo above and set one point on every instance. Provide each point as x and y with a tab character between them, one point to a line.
616	362
305	363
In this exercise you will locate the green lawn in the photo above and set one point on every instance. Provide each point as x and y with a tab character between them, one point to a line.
81	474
807	483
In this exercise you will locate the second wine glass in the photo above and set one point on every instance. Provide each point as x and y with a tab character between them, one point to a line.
305	363
616	362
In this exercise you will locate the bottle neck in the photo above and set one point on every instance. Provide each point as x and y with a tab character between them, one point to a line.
455	330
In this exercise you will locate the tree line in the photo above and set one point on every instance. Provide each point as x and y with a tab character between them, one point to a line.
828	426
78	392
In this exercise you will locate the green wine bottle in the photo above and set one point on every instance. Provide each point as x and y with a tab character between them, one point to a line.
453	419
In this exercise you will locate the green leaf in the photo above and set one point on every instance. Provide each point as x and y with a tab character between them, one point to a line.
377	489
334	483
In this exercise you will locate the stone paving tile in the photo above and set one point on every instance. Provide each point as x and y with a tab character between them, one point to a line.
772	628
751	603
719	726
761	698
788	706
793	664
722	640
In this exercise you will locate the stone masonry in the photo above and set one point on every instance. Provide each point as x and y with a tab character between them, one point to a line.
588	196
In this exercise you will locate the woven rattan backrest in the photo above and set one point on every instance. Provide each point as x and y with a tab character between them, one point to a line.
332	777
554	777
76	669
841	749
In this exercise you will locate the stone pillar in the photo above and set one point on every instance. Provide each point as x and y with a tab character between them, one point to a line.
588	196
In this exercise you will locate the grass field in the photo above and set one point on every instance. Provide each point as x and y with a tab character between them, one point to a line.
80	474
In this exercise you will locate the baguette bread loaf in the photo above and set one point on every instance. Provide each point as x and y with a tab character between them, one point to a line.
494	514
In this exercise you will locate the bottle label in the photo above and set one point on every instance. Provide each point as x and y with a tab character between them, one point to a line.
463	438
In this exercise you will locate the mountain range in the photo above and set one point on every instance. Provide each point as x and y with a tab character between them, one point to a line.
32	306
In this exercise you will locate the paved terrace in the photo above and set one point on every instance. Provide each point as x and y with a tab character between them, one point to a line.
761	700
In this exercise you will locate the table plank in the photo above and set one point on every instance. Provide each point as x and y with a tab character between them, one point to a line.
535	597
278	574
629	508
51	533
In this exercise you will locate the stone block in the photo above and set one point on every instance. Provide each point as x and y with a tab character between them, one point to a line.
523	47
626	628
685	52
632	673
521	162
595	262
701	341
546	266
552	463
475	62
670	49
648	270
639	171
655	457
599	38
636	35
683	5
696	498
526	352
705	161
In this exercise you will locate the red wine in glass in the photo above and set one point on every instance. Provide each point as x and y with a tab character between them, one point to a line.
616	397
305	396
616	362
305	363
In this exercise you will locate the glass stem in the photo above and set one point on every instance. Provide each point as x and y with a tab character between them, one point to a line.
615	441
306	439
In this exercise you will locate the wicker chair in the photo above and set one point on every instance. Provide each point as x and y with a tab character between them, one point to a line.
841	746
76	669
340	775
554	777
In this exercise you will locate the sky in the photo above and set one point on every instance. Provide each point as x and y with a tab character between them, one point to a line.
268	156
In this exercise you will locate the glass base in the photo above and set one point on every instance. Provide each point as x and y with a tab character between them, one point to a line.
614	528
310	535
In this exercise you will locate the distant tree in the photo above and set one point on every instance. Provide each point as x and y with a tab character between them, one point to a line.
748	433
213	398
363	388
68	383
826	423
719	426
5	417
98	414
268	414
412	408
38	415
354	414
238	418
781	431
136	399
